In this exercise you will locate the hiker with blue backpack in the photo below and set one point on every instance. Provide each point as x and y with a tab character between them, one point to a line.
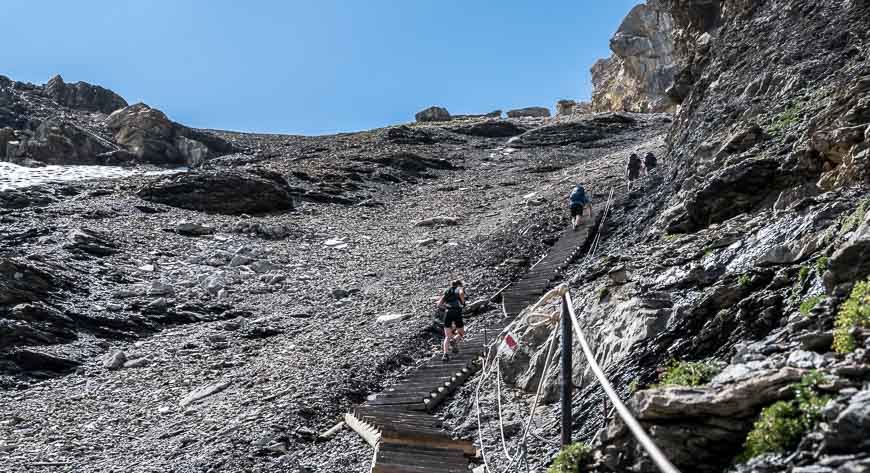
579	201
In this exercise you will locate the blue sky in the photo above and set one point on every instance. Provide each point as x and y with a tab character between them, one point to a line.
314	67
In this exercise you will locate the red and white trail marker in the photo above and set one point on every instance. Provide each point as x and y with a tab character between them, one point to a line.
509	343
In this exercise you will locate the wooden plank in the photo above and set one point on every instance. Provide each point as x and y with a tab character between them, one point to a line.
443	442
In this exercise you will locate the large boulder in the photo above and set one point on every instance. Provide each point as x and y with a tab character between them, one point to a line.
581	131
226	192
83	96
151	137
433	114
147	133
701	427
529	112
21	281
491	129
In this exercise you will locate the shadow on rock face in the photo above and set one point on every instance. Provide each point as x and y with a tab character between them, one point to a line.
252	191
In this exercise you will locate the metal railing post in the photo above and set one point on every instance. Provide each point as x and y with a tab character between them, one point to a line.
567	384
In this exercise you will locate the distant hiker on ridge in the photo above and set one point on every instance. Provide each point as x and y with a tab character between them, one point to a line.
632	169
452	301
578	201
649	163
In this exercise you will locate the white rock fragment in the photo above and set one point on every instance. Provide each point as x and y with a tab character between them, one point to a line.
204	392
392	318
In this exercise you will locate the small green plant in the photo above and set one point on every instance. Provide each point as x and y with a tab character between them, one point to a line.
803	274
854	313
744	280
782	424
571	459
854	219
708	253
672	237
808	304
603	293
787	118
633	386
688	373
821	266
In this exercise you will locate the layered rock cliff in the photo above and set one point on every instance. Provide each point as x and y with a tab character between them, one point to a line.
636	76
747	257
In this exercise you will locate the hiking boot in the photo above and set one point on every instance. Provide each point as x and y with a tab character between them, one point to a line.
445	357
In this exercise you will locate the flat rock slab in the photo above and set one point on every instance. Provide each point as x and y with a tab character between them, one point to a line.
204	392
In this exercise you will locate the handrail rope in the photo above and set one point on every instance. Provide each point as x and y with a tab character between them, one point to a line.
537	395
633	425
483	377
498	399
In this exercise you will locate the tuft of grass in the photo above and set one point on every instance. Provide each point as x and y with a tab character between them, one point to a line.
854	313
855	218
603	293
803	274
688	373
821	266
787	118
744	280
633	386
808	304
781	425
672	237
571	459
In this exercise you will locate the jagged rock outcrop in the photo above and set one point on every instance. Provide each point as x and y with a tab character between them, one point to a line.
83	96
226	192
636	77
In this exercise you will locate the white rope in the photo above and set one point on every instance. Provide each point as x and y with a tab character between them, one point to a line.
498	399
633	425
483	377
522	440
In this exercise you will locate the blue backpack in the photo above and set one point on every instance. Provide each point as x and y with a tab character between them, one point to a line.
578	196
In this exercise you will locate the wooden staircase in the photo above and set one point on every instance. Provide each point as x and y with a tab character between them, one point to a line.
398	422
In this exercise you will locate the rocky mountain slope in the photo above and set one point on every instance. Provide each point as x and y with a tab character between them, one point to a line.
220	319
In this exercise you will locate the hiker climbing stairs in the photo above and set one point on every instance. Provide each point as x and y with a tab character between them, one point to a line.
535	282
398	422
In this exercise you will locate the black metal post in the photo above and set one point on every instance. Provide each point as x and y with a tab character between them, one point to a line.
567	382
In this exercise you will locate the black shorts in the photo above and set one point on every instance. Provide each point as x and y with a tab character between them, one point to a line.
577	210
454	317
